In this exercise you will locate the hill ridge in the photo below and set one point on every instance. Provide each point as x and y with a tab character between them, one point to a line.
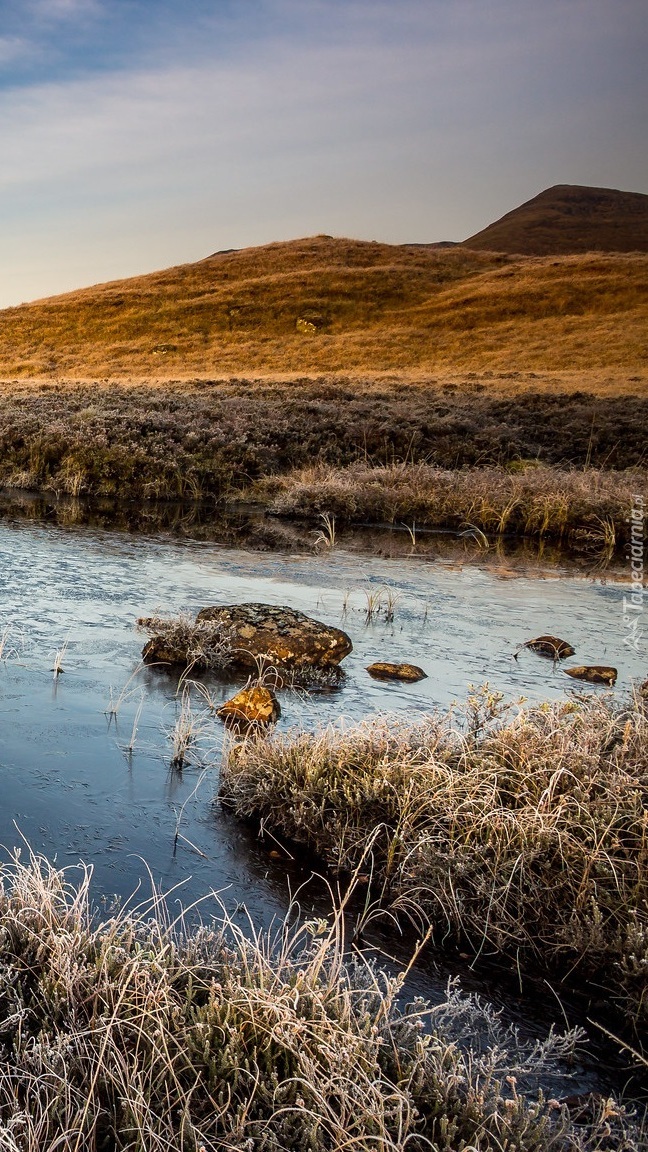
569	218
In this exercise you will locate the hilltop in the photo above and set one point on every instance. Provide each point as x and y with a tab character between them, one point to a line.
569	218
327	305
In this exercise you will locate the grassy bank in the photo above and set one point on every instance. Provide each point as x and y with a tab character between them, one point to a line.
589	509
122	1035
213	440
521	834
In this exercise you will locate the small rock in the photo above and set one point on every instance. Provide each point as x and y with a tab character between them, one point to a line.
643	691
305	326
255	705
551	646
383	671
594	673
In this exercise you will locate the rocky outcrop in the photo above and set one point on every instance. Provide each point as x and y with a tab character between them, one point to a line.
256	705
246	637
551	646
594	673
386	671
278	636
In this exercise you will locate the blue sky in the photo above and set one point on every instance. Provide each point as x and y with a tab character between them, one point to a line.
135	134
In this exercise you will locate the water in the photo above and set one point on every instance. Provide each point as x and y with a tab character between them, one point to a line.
72	789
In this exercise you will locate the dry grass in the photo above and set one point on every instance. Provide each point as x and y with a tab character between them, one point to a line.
589	508
197	645
369	307
123	1036
213	439
524	835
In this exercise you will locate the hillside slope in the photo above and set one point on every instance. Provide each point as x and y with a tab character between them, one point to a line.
569	218
334	305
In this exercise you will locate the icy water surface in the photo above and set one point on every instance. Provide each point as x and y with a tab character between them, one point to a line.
72	789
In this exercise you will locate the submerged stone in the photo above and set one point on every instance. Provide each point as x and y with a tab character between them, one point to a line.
386	671
594	673
551	646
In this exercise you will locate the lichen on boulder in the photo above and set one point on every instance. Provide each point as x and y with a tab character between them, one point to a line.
278	636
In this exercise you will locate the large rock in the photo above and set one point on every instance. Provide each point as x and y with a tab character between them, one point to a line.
281	637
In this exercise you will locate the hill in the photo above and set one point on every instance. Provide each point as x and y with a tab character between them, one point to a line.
324	305
570	219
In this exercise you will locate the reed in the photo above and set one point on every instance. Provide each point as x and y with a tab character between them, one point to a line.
59	657
136	720
131	1034
125	693
326	536
186	730
9	643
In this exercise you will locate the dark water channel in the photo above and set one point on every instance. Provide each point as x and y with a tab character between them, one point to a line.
73	790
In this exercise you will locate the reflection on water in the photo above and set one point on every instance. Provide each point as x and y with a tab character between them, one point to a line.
74	790
244	525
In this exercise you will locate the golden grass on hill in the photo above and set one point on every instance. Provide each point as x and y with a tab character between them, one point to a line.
362	307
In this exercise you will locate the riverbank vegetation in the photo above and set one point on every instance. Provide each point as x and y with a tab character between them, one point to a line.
125	1034
215	441
589	509
519	834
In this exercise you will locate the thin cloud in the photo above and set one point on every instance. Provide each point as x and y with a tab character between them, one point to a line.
55	10
14	48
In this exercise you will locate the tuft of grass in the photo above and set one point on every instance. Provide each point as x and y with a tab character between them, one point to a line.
136	720
380	603
186	730
199	645
521	834
326	536
125	693
10	643
129	1035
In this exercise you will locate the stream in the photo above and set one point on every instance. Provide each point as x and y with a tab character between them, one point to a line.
85	756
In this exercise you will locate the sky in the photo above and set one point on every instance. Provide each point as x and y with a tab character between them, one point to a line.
138	134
